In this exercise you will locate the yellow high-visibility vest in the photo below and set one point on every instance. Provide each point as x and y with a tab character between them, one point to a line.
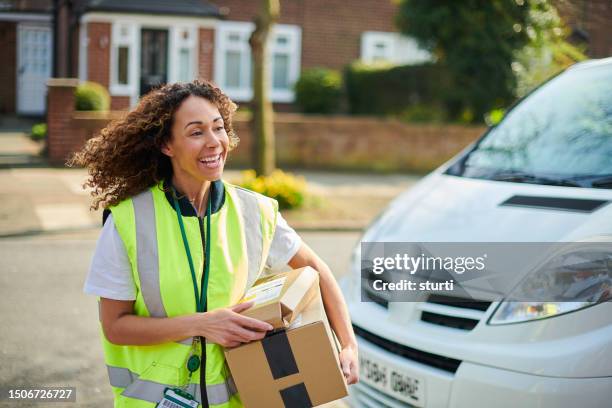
242	230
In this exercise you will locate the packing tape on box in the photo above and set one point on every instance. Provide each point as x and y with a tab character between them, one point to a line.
296	396
282	363
279	354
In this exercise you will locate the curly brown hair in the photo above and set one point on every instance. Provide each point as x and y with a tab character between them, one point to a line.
125	158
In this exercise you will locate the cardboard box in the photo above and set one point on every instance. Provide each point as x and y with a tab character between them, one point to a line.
293	367
280	298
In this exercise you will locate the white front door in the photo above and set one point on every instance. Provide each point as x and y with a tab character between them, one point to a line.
34	49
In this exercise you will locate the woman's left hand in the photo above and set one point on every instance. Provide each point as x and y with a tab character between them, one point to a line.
350	364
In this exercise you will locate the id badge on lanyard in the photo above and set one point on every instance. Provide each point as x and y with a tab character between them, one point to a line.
177	398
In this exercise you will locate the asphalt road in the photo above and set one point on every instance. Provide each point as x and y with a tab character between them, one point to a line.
50	334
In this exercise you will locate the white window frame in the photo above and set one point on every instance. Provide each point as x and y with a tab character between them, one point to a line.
175	44
222	45
132	41
83	45
370	39
293	50
244	29
400	49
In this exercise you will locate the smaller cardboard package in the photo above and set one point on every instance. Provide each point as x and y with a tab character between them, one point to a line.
295	366
279	299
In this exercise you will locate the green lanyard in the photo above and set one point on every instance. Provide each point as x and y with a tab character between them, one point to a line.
200	299
194	361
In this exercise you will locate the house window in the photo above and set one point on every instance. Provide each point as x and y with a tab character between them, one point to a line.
233	67
393	48
123	43
183	65
123	54
280	72
285	62
235	71
233	59
185	74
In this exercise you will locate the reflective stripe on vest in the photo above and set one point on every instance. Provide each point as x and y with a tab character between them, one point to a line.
153	391
251	216
147	253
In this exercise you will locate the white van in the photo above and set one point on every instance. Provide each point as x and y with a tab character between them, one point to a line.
543	174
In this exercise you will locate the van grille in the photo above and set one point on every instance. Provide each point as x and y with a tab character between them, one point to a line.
433	360
455	312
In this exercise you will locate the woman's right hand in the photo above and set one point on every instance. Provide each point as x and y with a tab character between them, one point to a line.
228	328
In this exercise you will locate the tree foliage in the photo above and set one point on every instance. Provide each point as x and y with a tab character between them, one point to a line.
477	41
547	52
319	90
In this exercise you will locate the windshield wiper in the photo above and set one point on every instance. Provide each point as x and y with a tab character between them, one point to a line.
593	181
601	182
519	177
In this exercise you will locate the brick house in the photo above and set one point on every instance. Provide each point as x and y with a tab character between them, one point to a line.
130	46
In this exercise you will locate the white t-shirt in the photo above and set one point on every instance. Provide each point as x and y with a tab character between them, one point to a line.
110	274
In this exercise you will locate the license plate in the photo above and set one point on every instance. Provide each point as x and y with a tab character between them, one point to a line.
391	380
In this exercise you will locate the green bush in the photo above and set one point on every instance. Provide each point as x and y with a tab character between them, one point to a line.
91	96
319	90
420	113
391	90
39	131
287	189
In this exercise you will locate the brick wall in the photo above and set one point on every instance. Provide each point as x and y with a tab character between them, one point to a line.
599	26
62	139
350	143
594	18
67	130
8	74
292	11
331	29
312	142
325	42
206	53
98	53
120	103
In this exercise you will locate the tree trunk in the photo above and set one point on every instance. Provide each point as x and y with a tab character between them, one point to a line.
262	122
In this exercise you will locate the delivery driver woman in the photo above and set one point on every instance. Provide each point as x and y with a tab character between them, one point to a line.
181	246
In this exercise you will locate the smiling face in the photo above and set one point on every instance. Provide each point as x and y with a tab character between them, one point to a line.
199	144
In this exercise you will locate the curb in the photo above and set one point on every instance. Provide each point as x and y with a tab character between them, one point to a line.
328	228
40	231
56	231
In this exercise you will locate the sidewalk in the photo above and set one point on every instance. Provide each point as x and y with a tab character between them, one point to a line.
37	199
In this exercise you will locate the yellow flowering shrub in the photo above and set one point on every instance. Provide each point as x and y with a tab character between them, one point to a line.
289	190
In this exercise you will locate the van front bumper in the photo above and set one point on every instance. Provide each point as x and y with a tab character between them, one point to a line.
479	386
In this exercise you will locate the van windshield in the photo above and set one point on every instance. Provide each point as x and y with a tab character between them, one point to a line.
561	134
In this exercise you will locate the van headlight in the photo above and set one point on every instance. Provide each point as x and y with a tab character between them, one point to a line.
565	283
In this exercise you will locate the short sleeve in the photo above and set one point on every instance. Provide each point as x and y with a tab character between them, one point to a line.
110	273
285	244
